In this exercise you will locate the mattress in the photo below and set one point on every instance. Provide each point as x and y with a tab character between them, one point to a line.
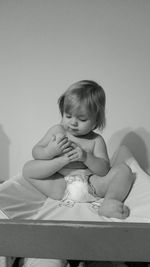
20	200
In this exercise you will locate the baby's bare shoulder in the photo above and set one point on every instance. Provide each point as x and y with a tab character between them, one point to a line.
97	139
58	128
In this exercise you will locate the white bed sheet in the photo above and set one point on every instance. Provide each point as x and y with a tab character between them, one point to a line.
138	201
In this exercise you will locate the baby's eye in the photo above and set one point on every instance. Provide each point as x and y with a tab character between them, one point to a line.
68	116
82	119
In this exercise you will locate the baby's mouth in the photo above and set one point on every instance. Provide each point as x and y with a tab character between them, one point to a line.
73	129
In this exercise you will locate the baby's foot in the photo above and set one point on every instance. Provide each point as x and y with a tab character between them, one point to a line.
114	208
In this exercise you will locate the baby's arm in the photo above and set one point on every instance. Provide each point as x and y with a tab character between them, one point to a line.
97	160
53	144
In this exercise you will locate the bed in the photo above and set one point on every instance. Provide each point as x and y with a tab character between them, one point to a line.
57	231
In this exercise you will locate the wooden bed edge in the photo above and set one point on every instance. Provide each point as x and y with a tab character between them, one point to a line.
114	241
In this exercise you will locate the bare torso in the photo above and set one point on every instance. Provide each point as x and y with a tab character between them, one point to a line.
86	143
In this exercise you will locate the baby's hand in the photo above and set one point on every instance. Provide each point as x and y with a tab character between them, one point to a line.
77	153
58	145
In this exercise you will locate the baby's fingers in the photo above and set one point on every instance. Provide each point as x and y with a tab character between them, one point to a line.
73	158
62	140
72	155
65	145
67	149
73	145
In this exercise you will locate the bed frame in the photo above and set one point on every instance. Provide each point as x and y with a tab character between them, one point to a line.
98	241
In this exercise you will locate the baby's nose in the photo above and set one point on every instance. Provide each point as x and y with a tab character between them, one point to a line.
74	121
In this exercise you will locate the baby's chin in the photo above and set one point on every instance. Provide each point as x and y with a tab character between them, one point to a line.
74	132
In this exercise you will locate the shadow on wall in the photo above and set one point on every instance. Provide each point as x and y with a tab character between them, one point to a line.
138	141
4	155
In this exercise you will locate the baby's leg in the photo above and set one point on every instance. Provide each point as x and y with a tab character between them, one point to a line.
53	186
119	187
116	192
114	188
122	155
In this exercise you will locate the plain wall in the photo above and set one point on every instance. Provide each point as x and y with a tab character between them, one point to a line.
45	45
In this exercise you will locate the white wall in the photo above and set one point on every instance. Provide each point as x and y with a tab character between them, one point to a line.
45	45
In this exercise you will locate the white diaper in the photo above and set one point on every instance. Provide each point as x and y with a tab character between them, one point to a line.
78	190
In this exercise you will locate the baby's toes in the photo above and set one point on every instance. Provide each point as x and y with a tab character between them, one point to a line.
121	213
125	212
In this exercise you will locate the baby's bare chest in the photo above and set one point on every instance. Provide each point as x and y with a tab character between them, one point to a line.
86	144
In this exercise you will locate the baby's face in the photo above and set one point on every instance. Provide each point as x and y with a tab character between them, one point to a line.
78	123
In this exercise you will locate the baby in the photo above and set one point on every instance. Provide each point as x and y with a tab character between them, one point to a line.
71	160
